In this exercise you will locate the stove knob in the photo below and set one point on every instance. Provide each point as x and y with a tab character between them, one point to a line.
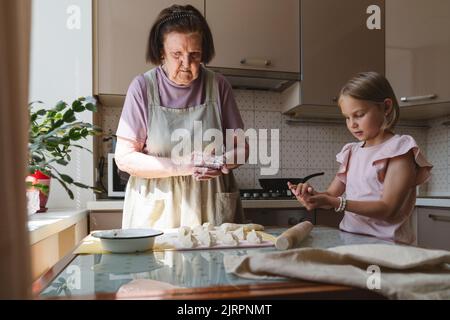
255	195
246	195
266	195
275	194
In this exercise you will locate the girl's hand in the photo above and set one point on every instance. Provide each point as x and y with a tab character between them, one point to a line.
301	189
320	200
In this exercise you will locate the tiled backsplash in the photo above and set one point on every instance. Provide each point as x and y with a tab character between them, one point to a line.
310	148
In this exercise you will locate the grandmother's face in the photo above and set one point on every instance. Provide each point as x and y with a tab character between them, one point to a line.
182	56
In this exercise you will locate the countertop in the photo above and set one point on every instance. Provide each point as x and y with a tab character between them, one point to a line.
117	204
200	273
46	224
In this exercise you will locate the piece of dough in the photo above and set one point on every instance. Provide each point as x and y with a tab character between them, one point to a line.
254	237
239	233
205	238
182	231
230	239
197	230
208	226
247	227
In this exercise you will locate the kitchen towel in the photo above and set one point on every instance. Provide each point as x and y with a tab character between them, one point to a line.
395	271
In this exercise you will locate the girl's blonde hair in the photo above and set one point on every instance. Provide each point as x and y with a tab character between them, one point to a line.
374	87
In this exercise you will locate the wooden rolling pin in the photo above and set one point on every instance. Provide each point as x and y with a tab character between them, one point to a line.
293	236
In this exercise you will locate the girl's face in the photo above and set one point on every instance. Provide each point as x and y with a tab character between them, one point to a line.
182	56
365	119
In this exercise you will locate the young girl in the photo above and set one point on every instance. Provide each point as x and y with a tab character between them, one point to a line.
378	174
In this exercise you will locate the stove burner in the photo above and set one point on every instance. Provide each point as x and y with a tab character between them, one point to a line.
262	194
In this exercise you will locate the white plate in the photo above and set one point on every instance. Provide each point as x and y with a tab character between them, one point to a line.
127	240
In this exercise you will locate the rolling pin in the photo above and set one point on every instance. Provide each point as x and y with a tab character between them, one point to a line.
293	236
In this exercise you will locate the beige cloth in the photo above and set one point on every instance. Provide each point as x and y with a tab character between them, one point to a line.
180	200
405	272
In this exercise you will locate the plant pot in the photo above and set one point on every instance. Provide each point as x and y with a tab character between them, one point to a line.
41	178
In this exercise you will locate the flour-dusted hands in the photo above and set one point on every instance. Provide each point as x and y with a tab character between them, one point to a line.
208	166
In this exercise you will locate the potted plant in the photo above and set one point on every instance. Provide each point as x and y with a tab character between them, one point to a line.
53	133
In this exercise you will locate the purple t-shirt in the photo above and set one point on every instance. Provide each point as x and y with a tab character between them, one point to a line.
133	122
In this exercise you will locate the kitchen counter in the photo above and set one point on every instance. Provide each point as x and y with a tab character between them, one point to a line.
110	204
199	274
116	205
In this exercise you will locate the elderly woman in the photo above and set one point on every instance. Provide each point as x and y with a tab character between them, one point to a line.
178	95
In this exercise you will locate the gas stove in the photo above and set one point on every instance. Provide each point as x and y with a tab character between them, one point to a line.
263	194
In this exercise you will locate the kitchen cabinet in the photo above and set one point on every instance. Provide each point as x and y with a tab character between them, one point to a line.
338	40
417	55
105	220
120	40
433	228
255	34
328	218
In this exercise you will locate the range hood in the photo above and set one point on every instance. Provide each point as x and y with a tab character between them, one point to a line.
258	79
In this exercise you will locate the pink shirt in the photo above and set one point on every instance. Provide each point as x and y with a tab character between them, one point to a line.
363	170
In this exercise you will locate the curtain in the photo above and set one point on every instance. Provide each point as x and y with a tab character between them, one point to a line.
15	273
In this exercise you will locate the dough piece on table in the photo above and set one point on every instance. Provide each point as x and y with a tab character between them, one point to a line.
239	233
247	227
187	240
197	230
182	231
208	226
253	237
206	238
230	239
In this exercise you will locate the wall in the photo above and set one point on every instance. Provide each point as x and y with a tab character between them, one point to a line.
61	69
304	149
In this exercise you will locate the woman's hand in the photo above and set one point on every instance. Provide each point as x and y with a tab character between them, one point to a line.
320	200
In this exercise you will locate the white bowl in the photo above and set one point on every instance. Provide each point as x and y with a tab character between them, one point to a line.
127	240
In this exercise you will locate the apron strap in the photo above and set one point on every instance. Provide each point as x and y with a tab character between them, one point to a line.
152	87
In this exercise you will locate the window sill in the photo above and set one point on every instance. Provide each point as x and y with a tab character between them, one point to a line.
44	225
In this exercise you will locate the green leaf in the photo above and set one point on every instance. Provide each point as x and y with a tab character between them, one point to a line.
77	106
61	105
66	178
91	107
62	162
69	116
75	135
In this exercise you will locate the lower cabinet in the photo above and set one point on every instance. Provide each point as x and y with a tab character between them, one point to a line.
328	218
277	217
433	228
105	220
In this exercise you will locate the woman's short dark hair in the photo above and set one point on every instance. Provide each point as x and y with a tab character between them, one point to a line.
183	19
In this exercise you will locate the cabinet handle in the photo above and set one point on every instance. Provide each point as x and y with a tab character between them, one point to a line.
257	62
419	98
435	217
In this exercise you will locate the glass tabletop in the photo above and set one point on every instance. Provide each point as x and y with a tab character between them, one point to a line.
108	273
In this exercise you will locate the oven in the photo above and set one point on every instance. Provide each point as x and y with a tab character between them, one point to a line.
117	180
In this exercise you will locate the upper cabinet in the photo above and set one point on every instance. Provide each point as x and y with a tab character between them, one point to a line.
255	34
418	51
122	29
338	40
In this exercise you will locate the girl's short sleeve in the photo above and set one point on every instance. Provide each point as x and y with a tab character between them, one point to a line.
398	146
343	157
133	120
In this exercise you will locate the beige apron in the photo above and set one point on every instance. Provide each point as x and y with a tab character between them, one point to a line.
181	200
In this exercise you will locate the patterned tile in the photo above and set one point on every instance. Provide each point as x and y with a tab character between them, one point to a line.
244	99
267	120
438	181
294	154
320	155
292	131
320	133
245	177
437	154
248	117
267	101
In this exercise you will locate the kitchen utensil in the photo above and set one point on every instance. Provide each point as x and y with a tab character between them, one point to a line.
281	183
292	237
127	240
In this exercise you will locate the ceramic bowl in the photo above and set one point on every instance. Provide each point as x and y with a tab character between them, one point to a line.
127	240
